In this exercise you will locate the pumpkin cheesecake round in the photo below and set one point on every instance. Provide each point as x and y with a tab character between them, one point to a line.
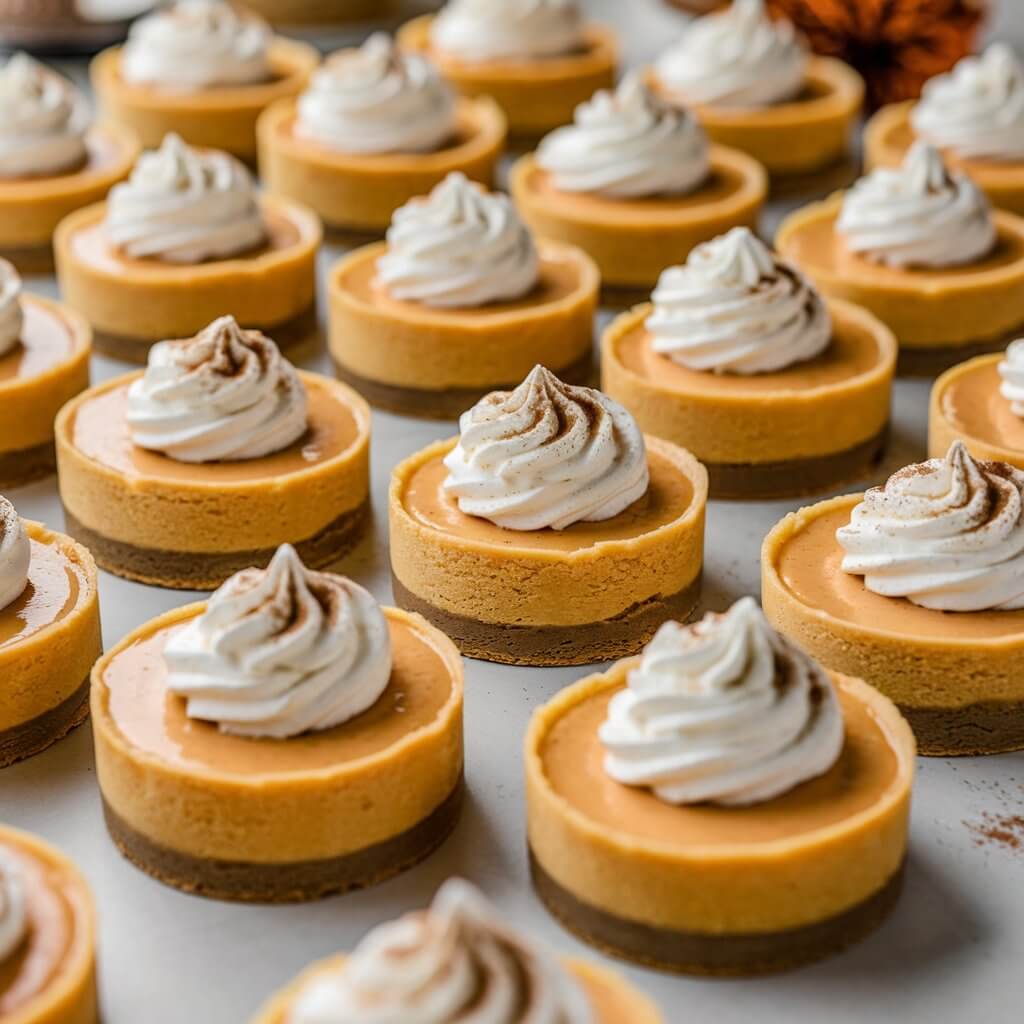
551	532
375	128
981	402
49	636
755	87
920	248
871	584
634	184
459	931
776	391
54	161
286	740
457	302
537	62
184	240
721	805
44	361
974	114
47	935
202	71
204	464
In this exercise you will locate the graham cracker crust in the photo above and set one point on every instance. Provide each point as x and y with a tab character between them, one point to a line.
289	882
32	737
986	727
728	955
510	644
930	362
25	465
190	570
794	478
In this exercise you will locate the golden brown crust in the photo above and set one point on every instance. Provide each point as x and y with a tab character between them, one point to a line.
171	514
31	209
722	889
223	117
888	135
72	999
494	583
613	998
276	818
632	242
413	346
803	135
361	191
742	425
924	311
144	299
947	673
536	95
45	669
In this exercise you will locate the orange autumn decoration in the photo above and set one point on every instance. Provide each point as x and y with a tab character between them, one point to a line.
897	45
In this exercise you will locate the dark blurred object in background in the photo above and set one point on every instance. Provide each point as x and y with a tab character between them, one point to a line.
322	12
897	45
61	27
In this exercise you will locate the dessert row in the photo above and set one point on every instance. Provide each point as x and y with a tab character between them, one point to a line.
633	181
290	738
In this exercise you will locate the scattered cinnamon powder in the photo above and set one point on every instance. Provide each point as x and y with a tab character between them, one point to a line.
1001	830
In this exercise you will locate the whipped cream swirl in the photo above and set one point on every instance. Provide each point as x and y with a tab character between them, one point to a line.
977	110
917	215
224	394
43	120
281	651
627	143
11	317
183	205
13	905
546	455
15	554
739	57
733	307
376	99
1011	370
725	710
455	963
481	30
461	246
197	44
946	534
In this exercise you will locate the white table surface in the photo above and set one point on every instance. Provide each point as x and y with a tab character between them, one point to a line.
953	949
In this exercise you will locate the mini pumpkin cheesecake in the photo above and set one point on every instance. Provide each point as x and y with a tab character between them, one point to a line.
204	464
538	61
974	114
44	361
47	935
739	358
189	223
457	302
54	160
49	637
551	531
286	740
375	128
721	805
920	248
981	402
915	587
634	184
201	70
754	86
471	961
